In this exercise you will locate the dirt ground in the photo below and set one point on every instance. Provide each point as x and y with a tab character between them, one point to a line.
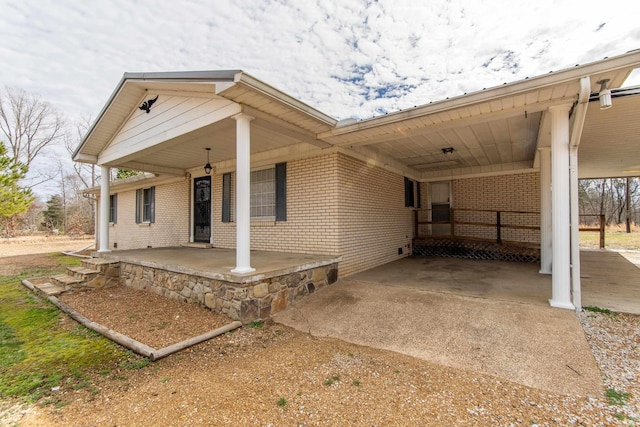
30	245
275	376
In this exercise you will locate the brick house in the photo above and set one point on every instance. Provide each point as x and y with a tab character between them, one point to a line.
285	177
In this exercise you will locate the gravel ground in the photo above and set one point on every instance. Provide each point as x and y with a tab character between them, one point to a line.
276	376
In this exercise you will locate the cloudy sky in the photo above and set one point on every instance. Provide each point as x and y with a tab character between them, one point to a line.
347	58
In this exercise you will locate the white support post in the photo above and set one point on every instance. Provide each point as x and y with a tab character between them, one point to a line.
546	254
243	194
105	172
576	292
560	208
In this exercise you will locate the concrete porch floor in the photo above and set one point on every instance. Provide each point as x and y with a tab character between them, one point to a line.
609	279
217	263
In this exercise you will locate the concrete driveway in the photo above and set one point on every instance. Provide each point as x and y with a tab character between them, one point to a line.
523	341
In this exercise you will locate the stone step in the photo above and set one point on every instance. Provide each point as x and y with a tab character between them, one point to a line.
82	272
48	288
65	281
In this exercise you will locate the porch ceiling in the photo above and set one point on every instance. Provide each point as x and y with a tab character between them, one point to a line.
187	151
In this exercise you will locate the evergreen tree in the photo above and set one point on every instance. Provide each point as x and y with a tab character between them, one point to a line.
14	199
54	214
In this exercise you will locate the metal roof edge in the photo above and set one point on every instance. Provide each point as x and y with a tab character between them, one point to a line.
266	89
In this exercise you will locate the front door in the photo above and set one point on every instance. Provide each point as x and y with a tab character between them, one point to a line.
202	209
440	208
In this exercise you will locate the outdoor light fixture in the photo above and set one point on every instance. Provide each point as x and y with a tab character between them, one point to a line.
207	167
447	150
604	95
146	105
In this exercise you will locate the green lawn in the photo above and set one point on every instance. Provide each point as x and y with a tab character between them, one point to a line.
613	239
38	350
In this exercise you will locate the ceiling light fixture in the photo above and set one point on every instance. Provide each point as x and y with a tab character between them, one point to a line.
208	167
447	150
604	95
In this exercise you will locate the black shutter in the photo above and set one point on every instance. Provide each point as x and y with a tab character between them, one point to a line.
138	204
152	196
115	208
418	196
281	192
226	197
408	193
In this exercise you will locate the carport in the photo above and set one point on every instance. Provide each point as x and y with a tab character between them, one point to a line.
486	316
609	279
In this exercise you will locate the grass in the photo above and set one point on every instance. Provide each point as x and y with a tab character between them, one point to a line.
134	362
595	309
256	324
613	239
282	402
616	398
36	353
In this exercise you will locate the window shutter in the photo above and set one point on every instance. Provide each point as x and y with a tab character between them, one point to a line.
152	195
226	197
138	204
418	196
115	208
408	193
281	192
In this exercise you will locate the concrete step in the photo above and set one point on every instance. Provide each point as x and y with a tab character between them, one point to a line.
197	245
82	272
48	288
65	281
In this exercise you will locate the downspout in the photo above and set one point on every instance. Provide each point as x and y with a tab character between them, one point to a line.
576	134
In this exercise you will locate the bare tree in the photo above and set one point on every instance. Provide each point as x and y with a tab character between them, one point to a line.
87	173
28	124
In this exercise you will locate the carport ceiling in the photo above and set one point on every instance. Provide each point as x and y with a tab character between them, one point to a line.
610	144
505	140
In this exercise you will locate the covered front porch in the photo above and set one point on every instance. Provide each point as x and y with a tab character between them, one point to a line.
202	276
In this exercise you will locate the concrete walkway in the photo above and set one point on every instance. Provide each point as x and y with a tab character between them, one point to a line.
464	318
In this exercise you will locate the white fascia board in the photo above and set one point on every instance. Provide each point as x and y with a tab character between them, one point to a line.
85	158
259	86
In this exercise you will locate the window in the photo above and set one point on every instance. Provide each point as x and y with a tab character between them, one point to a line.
268	194
409	199
263	193
113	208
145	205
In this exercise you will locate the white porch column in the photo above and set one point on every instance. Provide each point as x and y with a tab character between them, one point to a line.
243	194
546	254
576	293
105	172
560	208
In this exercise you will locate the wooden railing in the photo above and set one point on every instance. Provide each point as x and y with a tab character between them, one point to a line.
498	223
599	229
454	223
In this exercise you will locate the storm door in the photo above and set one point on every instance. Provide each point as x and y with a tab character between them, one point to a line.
202	209
441	208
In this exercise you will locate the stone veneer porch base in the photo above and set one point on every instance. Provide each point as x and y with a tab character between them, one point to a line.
241	300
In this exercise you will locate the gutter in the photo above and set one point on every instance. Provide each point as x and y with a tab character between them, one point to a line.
580	114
